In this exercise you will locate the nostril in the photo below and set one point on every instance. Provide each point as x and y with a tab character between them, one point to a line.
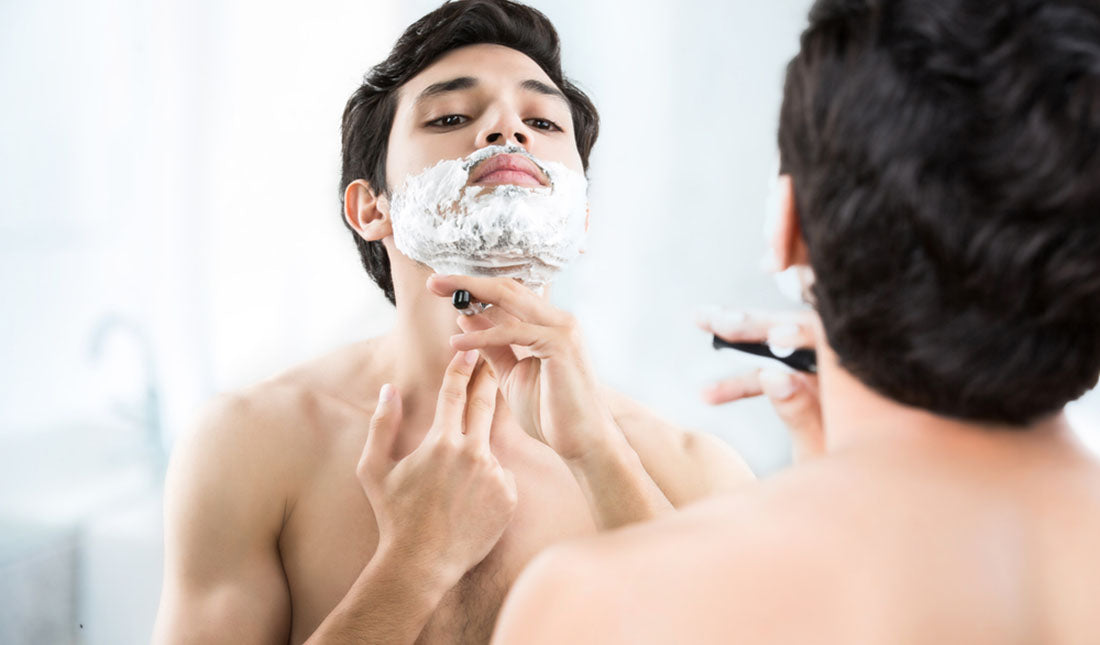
493	137
521	138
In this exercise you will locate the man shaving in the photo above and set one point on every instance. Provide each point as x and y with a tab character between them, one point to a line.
941	179
392	491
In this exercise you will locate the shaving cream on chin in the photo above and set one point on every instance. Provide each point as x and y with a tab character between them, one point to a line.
522	232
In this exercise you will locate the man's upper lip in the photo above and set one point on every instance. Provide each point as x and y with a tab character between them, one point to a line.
515	162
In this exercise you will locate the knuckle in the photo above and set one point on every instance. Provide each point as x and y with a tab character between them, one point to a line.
457	375
452	395
512	288
511	496
378	421
459	369
481	405
471	456
452	443
364	471
445	445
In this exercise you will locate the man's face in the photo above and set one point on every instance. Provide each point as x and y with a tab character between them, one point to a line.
474	97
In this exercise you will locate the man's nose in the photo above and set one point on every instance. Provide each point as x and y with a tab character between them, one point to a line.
498	138
503	129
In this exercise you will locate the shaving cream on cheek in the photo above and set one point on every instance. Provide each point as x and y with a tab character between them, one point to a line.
522	232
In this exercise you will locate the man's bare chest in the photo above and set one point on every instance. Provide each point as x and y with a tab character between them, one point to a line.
331	535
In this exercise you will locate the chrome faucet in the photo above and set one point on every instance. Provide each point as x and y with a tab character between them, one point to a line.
146	412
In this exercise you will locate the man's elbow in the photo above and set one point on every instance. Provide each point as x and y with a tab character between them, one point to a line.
722	468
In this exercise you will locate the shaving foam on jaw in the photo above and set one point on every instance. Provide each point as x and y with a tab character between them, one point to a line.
522	232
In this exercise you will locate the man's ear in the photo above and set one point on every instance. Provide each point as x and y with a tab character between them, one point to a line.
366	212
787	244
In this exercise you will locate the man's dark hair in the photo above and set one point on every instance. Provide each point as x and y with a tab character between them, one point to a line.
368	116
946	163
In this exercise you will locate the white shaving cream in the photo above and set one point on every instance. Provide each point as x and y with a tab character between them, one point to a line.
524	232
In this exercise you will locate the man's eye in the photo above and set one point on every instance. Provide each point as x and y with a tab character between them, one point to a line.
448	121
543	124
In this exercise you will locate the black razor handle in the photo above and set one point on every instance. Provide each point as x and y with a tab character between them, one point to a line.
803	360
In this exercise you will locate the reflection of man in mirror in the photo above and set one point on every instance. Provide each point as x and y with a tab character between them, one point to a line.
392	491
941	178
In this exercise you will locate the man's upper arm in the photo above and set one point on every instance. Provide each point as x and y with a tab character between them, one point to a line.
224	506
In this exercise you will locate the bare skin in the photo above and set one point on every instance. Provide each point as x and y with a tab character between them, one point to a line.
892	541
309	509
899	527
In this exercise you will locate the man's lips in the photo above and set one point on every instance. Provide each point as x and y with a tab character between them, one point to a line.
508	169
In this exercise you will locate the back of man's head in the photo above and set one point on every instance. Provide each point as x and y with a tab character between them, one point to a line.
368	116
946	163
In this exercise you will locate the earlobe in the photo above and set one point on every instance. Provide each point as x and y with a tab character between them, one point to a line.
368	214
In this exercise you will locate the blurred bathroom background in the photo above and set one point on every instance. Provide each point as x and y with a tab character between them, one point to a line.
169	229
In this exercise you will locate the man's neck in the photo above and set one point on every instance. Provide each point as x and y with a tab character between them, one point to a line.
856	415
420	340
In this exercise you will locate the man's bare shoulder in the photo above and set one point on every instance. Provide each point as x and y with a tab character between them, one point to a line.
273	431
346	374
235	479
753	549
899	536
340	380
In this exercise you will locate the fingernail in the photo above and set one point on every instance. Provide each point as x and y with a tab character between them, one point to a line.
784	336
385	394
470	356
777	385
783	340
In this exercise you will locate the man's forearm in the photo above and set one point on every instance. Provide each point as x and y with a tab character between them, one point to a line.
617	486
389	604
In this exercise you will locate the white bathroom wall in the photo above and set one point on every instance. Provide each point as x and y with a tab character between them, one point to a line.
168	228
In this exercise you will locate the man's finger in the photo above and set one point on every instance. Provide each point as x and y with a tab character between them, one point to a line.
505	293
481	403
786	329
450	408
534	337
796	401
502	358
739	387
378	453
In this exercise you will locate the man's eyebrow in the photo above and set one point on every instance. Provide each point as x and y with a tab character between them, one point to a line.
442	87
543	88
